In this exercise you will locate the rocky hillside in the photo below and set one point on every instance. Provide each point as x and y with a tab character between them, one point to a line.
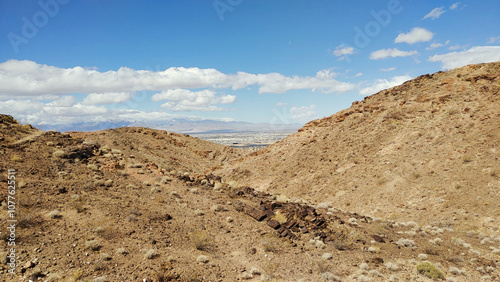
402	186
427	150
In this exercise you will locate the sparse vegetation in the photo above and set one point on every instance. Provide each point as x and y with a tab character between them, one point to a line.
377	174
93	245
271	244
200	240
428	269
151	254
16	158
280	217
54	214
59	154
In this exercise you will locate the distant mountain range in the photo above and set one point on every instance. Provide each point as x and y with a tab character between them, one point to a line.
185	126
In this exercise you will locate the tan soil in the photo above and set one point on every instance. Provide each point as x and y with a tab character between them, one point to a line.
416	162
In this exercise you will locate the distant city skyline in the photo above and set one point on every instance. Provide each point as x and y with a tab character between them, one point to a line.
273	62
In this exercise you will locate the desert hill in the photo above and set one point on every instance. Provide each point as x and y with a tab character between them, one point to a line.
402	186
427	150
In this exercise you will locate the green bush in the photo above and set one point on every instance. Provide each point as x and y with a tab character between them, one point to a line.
428	269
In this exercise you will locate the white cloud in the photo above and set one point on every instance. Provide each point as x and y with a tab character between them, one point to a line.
186	100
388	69
454	6
358	74
106	98
394	52
22	107
435	13
475	55
434	46
381	84
494	39
342	51
64	101
416	34
303	113
454	47
38	113
27	78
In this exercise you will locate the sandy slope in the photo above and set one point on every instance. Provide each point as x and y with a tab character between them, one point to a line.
427	150
419	164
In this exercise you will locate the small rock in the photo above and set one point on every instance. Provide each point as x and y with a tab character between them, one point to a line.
29	264
202	258
255	271
246	275
327	256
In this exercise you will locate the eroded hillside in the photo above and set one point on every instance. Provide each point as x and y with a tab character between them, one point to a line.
402	186
427	150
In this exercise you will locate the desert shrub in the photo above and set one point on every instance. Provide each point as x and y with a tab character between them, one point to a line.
279	217
151	254
16	158
271	244
93	245
428	269
121	251
105	256
27	220
202	258
54	277
76	275
201	240
392	266
59	154
405	243
54	214
78	203
430	249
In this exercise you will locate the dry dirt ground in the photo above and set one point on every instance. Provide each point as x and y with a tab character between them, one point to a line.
403	186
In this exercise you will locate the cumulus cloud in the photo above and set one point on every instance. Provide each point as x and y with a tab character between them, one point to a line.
388	69
359	74
342	51
381	84
474	55
303	113
186	100
435	13
64	101
416	34
394	52
27	78
38	113
106	98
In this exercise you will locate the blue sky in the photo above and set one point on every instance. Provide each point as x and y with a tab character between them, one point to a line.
64	61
